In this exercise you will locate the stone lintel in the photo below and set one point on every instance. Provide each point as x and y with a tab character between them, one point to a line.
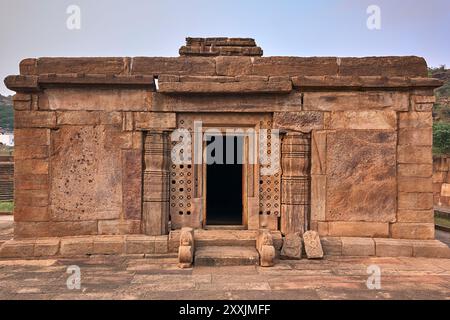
363	82
36	83
226	87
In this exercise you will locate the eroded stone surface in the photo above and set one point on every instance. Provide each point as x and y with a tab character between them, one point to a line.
361	184
86	174
303	121
313	247
292	246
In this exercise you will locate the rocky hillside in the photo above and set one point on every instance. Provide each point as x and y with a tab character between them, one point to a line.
6	112
441	112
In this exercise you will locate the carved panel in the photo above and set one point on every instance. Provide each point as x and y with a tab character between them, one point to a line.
155	187
269	184
296	182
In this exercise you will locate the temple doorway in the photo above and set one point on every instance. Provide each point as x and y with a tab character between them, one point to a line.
224	180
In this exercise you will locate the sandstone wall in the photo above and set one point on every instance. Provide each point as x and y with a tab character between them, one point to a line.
80	124
441	181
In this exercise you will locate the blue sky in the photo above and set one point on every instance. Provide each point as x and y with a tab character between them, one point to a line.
30	28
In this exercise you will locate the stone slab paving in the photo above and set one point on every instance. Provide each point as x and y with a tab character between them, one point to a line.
158	277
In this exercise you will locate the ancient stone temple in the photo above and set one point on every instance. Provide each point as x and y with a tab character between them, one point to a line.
350	139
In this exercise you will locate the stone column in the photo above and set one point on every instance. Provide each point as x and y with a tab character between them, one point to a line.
415	214
295	182
155	217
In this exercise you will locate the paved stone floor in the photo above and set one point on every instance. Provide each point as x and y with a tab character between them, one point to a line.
158	277
113	277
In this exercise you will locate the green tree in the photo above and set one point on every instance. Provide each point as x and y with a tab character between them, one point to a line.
441	138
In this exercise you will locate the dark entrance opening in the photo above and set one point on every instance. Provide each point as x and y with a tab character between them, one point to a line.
224	180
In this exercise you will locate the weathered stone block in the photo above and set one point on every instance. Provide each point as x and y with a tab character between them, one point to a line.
54	229
154	120
46	247
27	137
415	201
402	230
22	102
28	66
85	168
228	103
423	107
414	184
17	249
36	198
76	246
425	216
318	197
107	66
31	181
293	66
31	166
109	245
237	87
358	247
233	66
431	249
416	136
415	170
423	98
302	121
415	119
364	119
24	152
319	152
313	247
292	246
358	229
345	101
332	246
89	118
393	248
414	154
385	66
132	184
361	175
169	65
34	119
115	227
245	77
30	213
322	228
139	244
99	99
161	244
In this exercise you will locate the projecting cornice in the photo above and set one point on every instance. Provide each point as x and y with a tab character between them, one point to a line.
174	84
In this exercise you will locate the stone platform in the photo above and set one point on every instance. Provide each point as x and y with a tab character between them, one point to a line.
140	244
158	277
149	245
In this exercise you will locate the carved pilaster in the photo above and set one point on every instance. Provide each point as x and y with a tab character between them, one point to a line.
156	184
295	182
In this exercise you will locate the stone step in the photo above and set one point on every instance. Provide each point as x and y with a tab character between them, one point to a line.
220	238
226	256
243	238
